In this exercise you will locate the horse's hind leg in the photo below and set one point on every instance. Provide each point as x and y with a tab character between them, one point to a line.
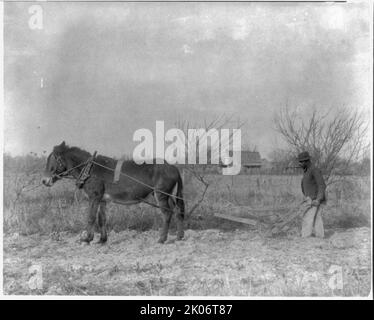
102	222
180	228
163	203
180	210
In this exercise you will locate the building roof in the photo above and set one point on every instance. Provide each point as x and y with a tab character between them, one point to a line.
251	158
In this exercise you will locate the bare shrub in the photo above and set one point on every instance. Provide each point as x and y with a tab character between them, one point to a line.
199	172
335	140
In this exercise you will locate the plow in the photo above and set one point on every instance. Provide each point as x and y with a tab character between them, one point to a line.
272	220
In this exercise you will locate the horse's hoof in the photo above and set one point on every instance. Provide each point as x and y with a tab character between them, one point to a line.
102	241
85	241
84	238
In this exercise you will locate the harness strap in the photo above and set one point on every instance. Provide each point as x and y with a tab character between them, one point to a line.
64	174
117	171
85	173
138	181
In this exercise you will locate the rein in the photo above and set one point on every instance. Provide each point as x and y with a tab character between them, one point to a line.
65	173
138	181
85	174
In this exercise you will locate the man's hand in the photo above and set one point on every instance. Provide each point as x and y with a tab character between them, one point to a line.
315	203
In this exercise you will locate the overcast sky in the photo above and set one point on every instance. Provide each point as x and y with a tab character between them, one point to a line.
108	69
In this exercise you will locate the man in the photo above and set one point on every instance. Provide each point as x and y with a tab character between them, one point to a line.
312	186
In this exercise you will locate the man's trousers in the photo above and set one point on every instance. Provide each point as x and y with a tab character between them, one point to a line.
312	223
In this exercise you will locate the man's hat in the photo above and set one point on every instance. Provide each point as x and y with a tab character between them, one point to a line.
303	156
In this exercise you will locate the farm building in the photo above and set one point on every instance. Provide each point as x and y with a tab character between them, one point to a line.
251	159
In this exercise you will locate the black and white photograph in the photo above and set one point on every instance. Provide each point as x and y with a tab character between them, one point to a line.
187	149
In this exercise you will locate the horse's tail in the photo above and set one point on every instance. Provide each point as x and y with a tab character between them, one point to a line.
179	195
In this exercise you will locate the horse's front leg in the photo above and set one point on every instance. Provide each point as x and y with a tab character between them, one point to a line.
91	219
102	222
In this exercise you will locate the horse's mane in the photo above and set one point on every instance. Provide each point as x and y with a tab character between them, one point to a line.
73	151
78	153
76	150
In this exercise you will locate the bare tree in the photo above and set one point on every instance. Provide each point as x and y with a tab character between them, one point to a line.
334	139
282	159
197	171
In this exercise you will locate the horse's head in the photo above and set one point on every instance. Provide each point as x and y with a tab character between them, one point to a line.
56	165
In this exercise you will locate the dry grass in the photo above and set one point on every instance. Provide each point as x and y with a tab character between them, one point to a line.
63	208
208	262
218	257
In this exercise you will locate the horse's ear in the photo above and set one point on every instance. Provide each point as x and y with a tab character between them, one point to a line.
60	148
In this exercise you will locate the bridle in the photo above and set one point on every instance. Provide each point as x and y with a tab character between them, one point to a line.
61	170
65	173
60	165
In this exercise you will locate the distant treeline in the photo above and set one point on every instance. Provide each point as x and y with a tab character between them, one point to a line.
33	163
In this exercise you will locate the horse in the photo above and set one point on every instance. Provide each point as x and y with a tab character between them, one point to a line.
135	184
